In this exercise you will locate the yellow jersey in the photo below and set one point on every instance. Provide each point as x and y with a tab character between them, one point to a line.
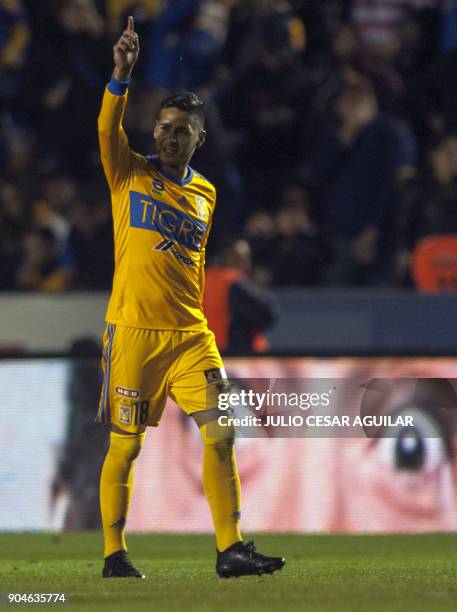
161	227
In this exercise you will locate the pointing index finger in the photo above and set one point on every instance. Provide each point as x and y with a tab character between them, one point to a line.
130	24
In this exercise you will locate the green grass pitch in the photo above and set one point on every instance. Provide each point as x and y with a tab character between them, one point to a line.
323	573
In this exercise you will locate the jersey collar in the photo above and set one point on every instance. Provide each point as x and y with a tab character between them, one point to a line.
154	160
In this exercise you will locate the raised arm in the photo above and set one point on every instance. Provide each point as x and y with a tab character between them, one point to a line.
114	147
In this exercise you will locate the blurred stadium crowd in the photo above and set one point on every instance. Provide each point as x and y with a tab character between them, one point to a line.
331	131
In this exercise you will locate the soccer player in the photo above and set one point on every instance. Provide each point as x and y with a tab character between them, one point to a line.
157	343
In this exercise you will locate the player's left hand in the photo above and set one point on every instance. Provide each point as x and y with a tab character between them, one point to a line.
126	52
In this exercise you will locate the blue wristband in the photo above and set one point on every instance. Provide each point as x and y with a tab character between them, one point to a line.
118	88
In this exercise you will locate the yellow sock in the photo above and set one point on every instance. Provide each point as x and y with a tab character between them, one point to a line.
116	488
222	488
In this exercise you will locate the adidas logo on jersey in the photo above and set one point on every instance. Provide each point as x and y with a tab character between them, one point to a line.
164	245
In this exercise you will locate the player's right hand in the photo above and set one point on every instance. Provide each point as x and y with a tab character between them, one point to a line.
126	52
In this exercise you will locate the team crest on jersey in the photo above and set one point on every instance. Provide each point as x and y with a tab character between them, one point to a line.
202	211
125	414
157	184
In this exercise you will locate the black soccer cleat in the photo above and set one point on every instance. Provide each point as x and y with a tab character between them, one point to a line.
241	559
118	565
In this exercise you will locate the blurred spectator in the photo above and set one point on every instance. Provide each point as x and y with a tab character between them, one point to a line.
418	41
237	311
90	245
14	39
254	22
17	154
348	56
350	52
448	30
299	252
354	170
42	268
69	65
321	19
429	203
259	231
52	206
186	41
287	248
266	103
12	226
435	97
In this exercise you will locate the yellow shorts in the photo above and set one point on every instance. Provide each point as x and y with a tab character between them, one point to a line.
142	367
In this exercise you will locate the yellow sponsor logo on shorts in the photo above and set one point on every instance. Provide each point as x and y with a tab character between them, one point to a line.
127	392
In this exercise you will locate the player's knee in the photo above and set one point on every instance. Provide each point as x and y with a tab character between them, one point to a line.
224	447
213	436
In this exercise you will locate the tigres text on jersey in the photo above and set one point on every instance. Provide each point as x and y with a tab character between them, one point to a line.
161	227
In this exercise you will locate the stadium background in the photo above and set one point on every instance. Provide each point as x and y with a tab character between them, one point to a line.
348	108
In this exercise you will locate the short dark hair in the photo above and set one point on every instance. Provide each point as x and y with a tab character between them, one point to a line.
186	101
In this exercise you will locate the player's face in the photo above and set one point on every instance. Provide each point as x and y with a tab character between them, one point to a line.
177	134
